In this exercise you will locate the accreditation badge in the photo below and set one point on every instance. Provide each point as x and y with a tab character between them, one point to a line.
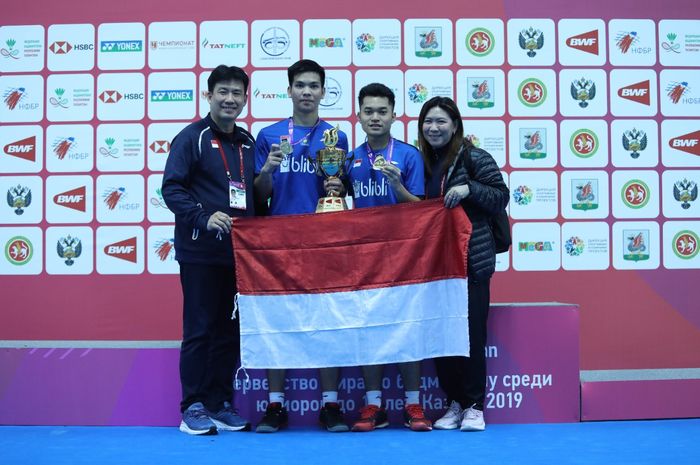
236	194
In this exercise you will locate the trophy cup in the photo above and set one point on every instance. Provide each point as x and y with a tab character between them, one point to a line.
330	163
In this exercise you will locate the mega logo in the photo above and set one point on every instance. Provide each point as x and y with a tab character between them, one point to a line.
110	96
586	42
172	95
322	42
689	143
115	46
584	143
123	250
24	149
539	246
638	92
635	194
479	42
685	244
532	92
160	146
19	250
73	199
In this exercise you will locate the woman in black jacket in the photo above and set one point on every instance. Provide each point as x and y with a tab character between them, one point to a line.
469	177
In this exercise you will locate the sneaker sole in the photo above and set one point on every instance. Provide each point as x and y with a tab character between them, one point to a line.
266	429
361	430
337	428
224	427
195	432
468	429
420	429
445	428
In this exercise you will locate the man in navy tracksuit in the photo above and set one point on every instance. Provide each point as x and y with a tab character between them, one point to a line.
208	179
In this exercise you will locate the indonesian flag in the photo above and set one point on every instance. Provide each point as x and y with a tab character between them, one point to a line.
360	287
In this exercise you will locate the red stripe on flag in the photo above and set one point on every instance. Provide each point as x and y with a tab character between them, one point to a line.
357	249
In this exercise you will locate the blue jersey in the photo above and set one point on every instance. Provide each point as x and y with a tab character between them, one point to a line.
371	188
295	186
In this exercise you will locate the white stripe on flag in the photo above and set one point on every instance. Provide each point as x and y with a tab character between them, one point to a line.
363	327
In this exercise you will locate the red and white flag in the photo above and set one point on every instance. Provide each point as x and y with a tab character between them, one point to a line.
360	287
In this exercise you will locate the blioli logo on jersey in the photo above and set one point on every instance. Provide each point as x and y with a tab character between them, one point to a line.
123	250
689	143
24	149
638	92
585	42
73	199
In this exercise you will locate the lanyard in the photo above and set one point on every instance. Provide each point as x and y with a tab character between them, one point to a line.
371	154
223	158
309	135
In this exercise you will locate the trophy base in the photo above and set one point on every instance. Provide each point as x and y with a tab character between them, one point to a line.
331	204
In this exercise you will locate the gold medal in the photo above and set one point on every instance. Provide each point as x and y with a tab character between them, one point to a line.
285	147
379	162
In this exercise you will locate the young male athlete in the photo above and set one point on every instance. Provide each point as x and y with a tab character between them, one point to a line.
287	179
386	171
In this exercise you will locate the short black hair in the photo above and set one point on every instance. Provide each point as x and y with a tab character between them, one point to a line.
223	73
376	90
306	66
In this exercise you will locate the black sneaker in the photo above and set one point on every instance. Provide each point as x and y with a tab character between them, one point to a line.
275	418
332	418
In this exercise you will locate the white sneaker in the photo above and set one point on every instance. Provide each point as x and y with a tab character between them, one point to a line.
472	420
451	418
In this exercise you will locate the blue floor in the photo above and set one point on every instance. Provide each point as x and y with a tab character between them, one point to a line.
623	442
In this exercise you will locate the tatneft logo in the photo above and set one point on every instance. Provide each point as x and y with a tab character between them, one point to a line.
110	96
185	95
24	149
269	95
326	42
160	146
62	47
73	199
638	92
689	143
115	46
212	45
123	250
586	42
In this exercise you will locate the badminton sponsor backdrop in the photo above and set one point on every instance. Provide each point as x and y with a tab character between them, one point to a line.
592	113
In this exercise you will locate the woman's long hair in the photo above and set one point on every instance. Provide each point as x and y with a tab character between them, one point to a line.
429	154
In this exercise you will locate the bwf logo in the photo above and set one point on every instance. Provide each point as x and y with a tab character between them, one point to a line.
586	42
123	250
638	92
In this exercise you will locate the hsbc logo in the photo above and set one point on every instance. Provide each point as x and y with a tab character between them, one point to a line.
689	143
24	149
638	92
110	96
73	199
586	42
160	146
123	250
60	47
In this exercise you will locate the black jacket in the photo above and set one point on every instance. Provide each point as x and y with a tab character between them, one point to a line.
488	195
195	186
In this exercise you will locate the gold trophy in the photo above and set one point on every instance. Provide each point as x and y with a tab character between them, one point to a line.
330	163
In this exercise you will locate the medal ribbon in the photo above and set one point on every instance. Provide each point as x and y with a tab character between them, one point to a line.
290	130
371	154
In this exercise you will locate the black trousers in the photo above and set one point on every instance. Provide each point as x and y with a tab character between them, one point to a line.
464	378
210	338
